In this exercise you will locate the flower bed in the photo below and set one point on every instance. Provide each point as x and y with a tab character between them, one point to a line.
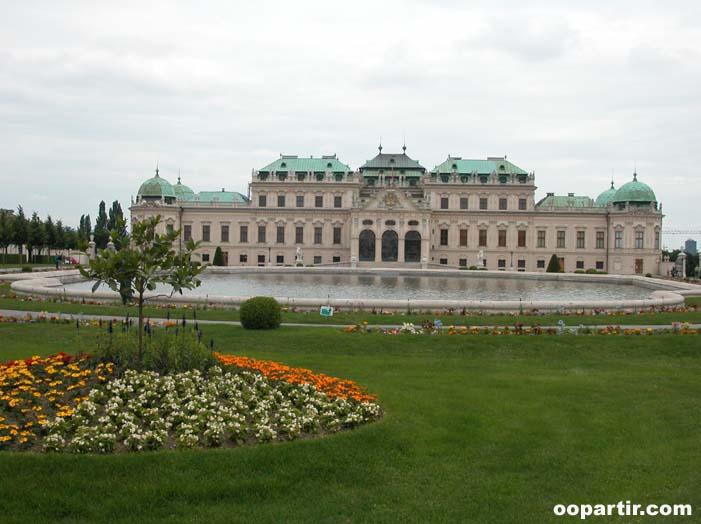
62	403
437	328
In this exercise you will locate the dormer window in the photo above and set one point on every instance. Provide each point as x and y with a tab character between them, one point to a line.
329	165
284	164
464	179
391	160
501	167
320	176
484	178
454	167
445	178
503	179
300	176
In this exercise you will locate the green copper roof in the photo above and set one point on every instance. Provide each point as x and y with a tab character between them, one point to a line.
605	198
565	201
391	162
634	191
456	164
157	187
183	192
307	165
226	197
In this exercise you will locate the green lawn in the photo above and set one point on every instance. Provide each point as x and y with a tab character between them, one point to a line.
481	429
356	317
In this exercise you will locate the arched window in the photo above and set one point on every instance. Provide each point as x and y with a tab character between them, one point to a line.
390	246
366	246
367	222
390	223
413	222
412	247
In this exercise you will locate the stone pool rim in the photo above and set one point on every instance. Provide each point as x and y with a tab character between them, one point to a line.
663	292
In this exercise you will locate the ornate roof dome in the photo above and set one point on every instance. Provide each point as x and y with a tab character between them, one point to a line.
635	191
605	198
182	192
156	187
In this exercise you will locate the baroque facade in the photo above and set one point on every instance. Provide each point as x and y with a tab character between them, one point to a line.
392	212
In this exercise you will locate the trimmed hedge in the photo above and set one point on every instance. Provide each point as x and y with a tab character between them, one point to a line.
260	313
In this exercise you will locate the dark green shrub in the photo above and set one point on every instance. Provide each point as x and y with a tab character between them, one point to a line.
648	275
553	265
218	257
580	271
172	350
26	269
260	313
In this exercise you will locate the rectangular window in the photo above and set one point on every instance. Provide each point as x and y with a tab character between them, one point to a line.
521	265
618	240
319	201
463	202
262	201
600	265
540	264
463	237
444	202
522	204
483	203
502	204
299	201
280	237
337	201
639	239
205	233
261	260
444	237
187	232
482	238
522	238
336	235
580	264
317	259
335	259
462	262
299	235
502	238
280	259
599	240
205	257
243	234
169	228
443	261
541	238
225	233
580	239
317	235
657	240
281	201
243	258
560	239
261	234
501	264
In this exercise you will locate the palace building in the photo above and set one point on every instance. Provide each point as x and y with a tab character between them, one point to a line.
393	212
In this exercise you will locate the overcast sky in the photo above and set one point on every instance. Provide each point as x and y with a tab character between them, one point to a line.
93	94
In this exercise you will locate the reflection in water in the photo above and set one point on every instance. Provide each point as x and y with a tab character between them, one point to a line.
383	286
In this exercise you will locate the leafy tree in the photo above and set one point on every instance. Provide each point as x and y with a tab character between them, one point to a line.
115	221
101	233
59	236
218	257
6	231
146	259
553	265
50	234
20	231
71	238
36	237
84	230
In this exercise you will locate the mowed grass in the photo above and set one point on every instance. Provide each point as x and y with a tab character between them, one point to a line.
313	317
482	429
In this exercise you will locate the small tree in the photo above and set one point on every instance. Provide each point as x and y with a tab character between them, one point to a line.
146	259
6	233
36	237
20	231
553	265
218	257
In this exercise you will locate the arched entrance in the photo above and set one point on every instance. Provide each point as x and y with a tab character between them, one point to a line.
390	246
366	246
412	247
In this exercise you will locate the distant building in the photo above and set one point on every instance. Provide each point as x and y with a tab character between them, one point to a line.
393	212
690	246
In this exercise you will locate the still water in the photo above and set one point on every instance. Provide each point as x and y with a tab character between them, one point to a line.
393	287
